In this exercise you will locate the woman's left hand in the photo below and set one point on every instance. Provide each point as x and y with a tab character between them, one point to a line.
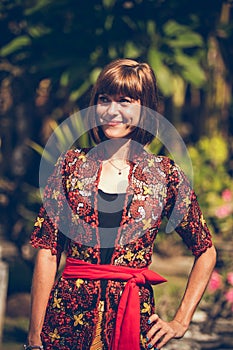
161	332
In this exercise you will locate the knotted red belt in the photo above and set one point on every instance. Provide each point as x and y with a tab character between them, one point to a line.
127	329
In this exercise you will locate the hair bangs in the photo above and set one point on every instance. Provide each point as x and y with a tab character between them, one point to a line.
124	83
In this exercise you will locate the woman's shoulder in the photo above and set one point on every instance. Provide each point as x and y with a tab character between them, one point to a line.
70	159
75	153
160	161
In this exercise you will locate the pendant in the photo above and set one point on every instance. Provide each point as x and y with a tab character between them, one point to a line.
119	172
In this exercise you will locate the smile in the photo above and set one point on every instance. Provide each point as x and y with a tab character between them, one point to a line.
112	122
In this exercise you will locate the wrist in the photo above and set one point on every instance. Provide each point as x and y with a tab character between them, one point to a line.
34	339
181	323
183	317
33	343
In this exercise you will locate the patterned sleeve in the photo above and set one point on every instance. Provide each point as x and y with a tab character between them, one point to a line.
46	233
184	213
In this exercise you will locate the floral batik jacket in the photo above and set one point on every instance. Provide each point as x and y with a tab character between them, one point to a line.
68	220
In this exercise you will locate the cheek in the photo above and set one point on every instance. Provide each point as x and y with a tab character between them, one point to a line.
98	110
133	119
133	115
99	113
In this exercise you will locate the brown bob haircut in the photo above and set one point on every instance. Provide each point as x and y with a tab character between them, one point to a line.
135	80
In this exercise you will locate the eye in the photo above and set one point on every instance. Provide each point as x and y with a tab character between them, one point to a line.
103	99
125	100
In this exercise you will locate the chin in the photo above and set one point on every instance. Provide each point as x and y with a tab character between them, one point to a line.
114	134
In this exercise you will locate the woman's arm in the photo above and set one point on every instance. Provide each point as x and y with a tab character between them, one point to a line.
161	332
43	279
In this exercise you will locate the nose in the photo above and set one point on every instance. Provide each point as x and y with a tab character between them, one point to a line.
113	108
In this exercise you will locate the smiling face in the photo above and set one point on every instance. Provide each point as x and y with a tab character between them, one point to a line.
118	114
122	91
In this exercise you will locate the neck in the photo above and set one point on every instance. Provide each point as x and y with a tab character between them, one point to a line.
117	149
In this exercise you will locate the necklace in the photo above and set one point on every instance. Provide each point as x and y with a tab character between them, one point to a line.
119	169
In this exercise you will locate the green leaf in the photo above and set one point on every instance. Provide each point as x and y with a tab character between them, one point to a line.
40	150
154	58
108	22
191	69
171	28
94	74
15	45
185	40
40	4
37	31
163	73
151	28
76	94
131	50
194	74
65	78
108	3
181	36
165	80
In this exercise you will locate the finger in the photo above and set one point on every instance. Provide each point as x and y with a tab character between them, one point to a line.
154	321
150	346
152	332
153	318
157	339
161	338
163	341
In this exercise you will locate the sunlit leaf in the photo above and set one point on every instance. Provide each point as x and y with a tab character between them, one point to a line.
38	31
94	74
163	73
131	50
172	28
185	40
40	150
194	74
108	22
181	36
80	91
151	27
154	58
108	3
191	69
38	6
64	80
14	45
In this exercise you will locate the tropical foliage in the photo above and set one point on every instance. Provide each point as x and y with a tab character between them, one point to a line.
213	181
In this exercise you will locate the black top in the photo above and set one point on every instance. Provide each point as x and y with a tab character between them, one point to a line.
110	210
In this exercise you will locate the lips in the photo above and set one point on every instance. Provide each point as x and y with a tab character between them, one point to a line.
112	122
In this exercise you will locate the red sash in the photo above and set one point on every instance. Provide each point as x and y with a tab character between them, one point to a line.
127	329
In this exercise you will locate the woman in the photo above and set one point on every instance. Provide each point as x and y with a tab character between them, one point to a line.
109	204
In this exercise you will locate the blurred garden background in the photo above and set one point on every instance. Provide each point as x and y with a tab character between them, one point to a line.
50	55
